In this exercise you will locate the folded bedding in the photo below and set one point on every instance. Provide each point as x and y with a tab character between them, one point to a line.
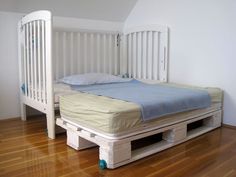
113	116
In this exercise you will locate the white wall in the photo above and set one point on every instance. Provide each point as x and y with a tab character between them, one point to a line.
202	42
9	96
9	89
79	23
111	10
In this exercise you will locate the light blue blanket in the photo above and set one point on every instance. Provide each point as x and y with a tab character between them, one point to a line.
155	100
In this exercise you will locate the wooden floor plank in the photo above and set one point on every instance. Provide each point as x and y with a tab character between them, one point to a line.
26	151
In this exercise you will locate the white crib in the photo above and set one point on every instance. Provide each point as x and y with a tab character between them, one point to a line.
47	54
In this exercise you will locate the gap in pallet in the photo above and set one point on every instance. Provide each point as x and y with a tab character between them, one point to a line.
146	141
195	125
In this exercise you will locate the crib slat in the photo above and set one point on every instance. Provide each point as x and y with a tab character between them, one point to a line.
29	67
92	61
149	55
85	54
110	54
144	57
104	53
124	55
164	62
155	55
139	55
35	61
32	88
116	43
162	57
134	56
39	60
130	55
98	53
71	53
27	61
57	54
79	61
43	63
64	63
24	61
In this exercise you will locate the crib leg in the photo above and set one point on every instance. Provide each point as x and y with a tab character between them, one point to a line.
51	124
23	111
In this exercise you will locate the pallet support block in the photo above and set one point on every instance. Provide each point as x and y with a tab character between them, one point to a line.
114	154
175	134
76	142
214	121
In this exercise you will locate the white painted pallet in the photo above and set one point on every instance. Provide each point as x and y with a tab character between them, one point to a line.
118	152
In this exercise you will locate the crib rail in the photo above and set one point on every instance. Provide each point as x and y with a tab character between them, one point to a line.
35	58
77	52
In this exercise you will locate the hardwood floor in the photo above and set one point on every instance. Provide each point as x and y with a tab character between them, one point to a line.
25	150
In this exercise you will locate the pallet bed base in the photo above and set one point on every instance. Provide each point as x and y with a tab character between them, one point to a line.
115	153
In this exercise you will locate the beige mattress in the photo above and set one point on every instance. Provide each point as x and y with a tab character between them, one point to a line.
115	117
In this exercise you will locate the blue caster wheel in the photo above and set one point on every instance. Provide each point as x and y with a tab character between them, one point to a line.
102	164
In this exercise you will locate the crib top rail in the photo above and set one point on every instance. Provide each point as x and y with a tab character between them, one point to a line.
152	27
38	15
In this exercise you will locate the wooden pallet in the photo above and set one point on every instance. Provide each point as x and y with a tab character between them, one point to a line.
118	152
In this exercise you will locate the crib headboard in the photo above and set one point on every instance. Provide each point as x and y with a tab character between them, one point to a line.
145	52
79	51
35	64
